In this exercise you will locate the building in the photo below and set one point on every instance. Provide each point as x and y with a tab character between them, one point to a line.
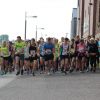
74	23
88	18
80	17
4	38
97	26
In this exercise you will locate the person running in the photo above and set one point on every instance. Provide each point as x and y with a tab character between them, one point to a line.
87	55
56	55
41	53
81	47
11	56
99	49
65	56
19	55
77	41
60	50
62	40
72	55
5	57
49	55
33	56
97	57
27	57
93	51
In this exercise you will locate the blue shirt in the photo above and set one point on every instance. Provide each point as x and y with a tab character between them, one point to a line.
48	48
42	49
99	45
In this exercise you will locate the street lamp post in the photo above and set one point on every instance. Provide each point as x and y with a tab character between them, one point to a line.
26	23
36	31
41	32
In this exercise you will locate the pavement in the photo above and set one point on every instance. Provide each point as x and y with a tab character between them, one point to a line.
75	86
6	79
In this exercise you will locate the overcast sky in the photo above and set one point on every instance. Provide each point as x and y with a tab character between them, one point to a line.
53	15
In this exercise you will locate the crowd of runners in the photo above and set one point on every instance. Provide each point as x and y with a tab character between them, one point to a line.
50	56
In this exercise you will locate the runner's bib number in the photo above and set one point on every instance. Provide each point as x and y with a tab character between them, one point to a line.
65	52
81	49
33	53
48	51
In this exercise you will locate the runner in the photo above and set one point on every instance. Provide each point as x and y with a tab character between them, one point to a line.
87	55
19	55
60	43
11	56
41	53
99	49
49	51
33	56
65	55
5	57
27	57
81	47
72	55
93	51
77	41
56	55
97	57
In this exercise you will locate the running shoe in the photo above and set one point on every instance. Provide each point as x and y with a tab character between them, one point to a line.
22	72
18	73
33	74
49	73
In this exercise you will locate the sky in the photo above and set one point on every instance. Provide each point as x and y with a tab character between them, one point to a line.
52	15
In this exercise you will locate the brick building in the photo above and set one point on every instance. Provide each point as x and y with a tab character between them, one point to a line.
88	18
97	27
80	17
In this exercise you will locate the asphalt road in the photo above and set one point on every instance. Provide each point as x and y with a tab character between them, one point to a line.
75	86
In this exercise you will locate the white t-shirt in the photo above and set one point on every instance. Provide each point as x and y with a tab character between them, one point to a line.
65	49
26	52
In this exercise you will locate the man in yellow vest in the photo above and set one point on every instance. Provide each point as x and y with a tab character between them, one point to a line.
19	55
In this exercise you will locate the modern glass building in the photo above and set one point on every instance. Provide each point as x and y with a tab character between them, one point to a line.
74	23
4	38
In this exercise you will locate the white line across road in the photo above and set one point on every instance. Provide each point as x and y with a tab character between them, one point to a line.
6	79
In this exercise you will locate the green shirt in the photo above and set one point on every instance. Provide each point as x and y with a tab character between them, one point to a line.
19	46
56	50
4	51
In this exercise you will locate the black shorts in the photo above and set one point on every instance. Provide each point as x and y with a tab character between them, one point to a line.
6	58
33	58
72	55
10	59
27	59
21	56
18	55
42	56
64	57
81	55
48	57
76	53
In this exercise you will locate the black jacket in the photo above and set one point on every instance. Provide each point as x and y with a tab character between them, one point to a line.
92	48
